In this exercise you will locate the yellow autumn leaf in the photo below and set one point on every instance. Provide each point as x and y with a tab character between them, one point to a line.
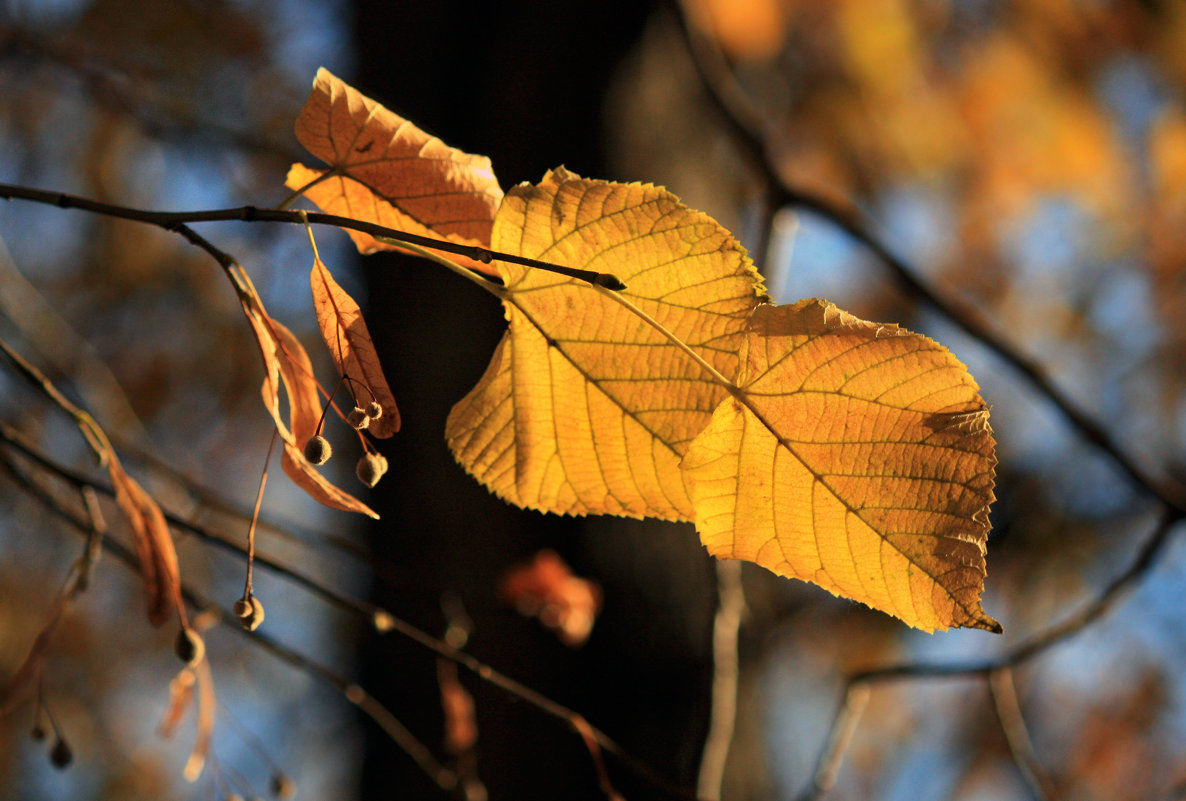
850	454
585	408
385	170
856	456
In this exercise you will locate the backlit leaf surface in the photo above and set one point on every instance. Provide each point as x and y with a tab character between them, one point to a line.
858	456
850	454
585	408
385	170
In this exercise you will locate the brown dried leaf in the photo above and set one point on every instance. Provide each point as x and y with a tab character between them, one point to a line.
22	683
349	342
285	359
386	170
206	703
181	695
305	476
154	545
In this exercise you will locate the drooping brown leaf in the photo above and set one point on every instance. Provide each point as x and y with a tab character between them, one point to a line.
383	169
22	683
206	704
154	545
181	696
285	360
349	342
318	487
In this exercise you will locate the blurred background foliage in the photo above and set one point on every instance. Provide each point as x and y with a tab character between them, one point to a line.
1026	157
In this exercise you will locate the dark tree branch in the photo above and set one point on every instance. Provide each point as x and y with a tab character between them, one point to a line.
177	222
382	620
749	131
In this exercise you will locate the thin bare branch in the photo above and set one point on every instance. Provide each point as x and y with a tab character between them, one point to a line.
383	622
844	726
730	609
749	130
1008	707
177	221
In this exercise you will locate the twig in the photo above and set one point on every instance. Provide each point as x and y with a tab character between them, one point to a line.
844	726
859	683
351	691
730	608
1008	707
177	221
748	129
379	618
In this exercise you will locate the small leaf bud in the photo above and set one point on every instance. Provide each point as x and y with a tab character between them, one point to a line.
358	419
370	468
374	410
250	612
189	647
60	756
318	450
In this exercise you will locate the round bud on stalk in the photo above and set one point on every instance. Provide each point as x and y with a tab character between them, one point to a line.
370	468
358	419
318	450
283	787
250	612
38	732
60	756
374	410
189	647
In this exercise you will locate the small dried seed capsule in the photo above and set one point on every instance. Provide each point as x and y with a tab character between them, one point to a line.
60	756
374	410
318	450
358	418
38	732
370	468
283	787
189	647
250	612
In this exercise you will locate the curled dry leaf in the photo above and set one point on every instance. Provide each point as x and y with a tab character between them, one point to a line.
206	704
154	545
22	683
285	360
345	333
546	589
181	695
385	170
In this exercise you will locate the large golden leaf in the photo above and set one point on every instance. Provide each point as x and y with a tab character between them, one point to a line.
585	408
857	456
385	170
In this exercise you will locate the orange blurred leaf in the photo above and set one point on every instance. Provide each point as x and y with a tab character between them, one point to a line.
461	724
545	588
349	342
385	170
154	545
